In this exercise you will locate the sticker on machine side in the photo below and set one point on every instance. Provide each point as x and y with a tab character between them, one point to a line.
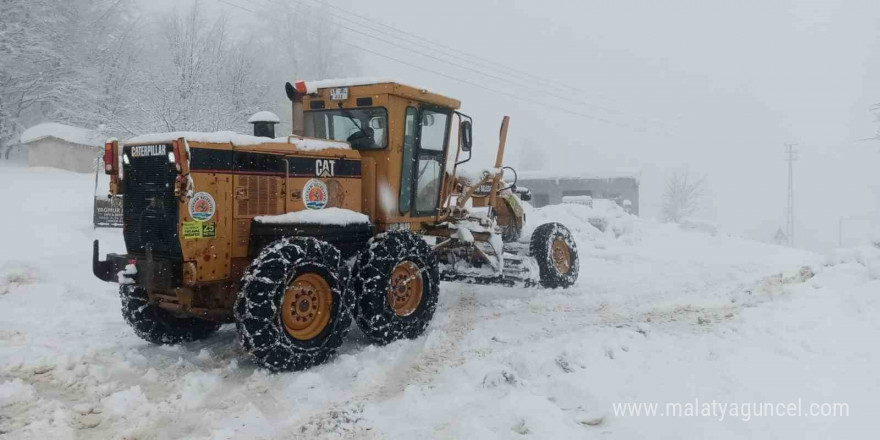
192	230
202	206
315	194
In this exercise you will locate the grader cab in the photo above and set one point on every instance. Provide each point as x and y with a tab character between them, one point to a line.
356	215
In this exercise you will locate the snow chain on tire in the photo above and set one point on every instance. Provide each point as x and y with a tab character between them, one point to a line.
541	248
159	326
370	281
258	306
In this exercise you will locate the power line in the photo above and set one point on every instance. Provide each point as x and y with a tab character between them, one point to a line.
471	83
528	83
237	6
455	53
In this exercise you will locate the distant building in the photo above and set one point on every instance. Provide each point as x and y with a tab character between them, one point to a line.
62	146
549	188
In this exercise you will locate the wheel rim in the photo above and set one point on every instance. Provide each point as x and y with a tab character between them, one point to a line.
305	308
405	291
561	255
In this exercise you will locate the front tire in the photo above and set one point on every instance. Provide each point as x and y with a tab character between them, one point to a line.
159	326
394	287
556	253
290	312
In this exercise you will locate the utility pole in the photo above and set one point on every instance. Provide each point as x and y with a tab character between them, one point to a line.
789	214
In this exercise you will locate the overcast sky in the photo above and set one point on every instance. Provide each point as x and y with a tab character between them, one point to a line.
716	85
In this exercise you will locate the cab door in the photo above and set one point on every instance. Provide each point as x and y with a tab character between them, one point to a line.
426	134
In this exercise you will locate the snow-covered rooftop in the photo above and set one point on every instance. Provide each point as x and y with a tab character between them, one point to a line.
556	175
74	135
264	116
238	139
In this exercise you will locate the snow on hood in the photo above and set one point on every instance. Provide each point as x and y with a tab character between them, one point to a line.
238	139
329	216
74	135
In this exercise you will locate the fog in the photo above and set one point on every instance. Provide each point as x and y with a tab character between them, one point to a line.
234	293
713	85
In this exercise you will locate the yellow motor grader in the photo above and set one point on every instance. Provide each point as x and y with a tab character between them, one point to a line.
358	214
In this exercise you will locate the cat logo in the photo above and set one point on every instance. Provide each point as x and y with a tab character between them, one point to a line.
325	168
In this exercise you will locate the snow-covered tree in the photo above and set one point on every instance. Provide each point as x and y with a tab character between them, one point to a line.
308	42
55	59
682	196
30	63
104	64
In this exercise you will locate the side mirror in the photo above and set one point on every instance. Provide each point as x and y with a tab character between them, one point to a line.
290	90
467	139
377	123
427	120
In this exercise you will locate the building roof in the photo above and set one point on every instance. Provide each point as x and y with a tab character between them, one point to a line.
618	173
74	135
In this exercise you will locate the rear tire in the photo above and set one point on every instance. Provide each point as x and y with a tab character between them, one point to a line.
159	326
290	312
394	287
556	253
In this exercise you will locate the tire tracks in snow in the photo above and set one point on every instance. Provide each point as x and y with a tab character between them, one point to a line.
439	350
442	353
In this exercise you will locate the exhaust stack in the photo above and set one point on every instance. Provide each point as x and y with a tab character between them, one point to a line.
264	124
295	94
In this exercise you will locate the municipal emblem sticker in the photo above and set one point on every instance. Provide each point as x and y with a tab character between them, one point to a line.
315	194
202	207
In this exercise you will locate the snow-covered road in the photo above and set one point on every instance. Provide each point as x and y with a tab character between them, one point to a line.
659	315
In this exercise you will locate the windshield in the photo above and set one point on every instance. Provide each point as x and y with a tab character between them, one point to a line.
351	125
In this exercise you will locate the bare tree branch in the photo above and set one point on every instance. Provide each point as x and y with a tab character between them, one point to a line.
683	195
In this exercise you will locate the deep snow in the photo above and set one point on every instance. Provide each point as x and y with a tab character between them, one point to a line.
660	314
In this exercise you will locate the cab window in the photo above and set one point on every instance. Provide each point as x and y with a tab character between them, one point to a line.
364	128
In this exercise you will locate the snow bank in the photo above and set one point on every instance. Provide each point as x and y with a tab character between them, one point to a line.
695	224
328	216
74	135
238	139
587	223
578	200
865	255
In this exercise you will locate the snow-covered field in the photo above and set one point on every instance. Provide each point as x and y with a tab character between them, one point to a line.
659	314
